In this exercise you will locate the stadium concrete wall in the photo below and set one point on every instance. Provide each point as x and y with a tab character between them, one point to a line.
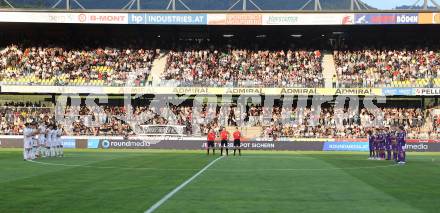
84	142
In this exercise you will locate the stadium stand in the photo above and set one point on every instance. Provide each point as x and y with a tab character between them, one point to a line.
60	66
238	68
298	122
388	68
245	68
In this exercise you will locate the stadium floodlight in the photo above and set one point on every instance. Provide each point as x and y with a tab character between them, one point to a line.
296	35
130	4
317	6
68	4
244	6
358	5
425	4
8	3
172	5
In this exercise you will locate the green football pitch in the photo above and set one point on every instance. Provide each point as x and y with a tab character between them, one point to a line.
190	181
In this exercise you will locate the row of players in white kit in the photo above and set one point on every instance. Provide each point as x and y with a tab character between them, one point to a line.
41	140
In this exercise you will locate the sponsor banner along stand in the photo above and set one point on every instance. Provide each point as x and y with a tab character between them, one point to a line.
345	146
193	144
167	18
307	19
397	91
101	18
11	143
190	90
235	19
407	18
201	144
423	141
427	91
374	18
364	147
69	143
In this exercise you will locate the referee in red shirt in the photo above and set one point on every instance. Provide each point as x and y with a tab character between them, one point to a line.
237	143
224	136
210	140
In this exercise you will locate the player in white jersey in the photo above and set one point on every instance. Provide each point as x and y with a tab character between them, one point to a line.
53	141
59	141
42	139
28	133
34	150
49	147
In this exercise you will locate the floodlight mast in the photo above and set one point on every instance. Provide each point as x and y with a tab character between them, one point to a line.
244	5
426	4
172	5
9	4
358	5
131	3
317	5
68	4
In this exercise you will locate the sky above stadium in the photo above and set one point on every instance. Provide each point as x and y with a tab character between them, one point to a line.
389	4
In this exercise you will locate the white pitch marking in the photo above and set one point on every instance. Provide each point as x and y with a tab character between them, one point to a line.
177	189
214	170
108	167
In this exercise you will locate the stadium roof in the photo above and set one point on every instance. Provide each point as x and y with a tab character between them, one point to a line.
208	5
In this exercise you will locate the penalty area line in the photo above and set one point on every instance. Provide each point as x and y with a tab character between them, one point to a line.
177	189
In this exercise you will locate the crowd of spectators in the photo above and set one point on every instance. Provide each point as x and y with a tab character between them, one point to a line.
243	67
13	116
105	66
115	66
275	122
387	68
333	122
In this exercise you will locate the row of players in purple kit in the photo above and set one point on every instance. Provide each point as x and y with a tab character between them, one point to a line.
386	145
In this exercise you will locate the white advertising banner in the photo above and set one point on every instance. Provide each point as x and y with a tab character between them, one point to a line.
307	19
53	17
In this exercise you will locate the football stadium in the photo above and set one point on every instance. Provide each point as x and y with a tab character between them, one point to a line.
219	106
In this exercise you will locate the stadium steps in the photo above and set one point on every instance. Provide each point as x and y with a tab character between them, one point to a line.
246	132
158	67
328	69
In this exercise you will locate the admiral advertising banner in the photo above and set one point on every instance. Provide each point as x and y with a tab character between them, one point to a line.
190	90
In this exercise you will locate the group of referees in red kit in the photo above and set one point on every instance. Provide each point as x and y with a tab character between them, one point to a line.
224	139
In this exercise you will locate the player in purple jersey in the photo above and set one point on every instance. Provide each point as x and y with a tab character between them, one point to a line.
371	139
388	143
375	146
380	143
394	145
401	142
